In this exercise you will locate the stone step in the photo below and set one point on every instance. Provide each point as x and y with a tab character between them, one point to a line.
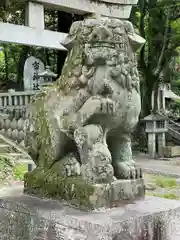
14	156
176	128
2	141
4	145
16	147
5	148
24	160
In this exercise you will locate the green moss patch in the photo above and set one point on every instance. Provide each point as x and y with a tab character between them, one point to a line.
43	139
165	182
19	170
51	184
165	195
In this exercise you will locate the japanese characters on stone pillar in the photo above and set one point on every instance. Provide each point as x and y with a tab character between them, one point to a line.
35	75
32	68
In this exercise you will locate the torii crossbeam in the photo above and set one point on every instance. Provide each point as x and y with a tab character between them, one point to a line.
34	33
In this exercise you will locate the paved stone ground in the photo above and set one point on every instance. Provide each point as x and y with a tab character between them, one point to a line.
167	167
153	168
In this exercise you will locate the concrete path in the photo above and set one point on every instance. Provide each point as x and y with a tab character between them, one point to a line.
169	168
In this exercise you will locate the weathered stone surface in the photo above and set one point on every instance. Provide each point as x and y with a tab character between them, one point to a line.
77	192
25	217
94	154
172	151
127	189
92	6
90	112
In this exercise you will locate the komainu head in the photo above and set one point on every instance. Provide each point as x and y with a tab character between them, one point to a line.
98	42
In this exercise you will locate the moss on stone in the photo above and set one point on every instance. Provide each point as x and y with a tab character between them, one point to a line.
74	59
43	138
51	184
19	170
45	155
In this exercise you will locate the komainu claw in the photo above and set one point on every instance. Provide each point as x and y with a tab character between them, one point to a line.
140	171
136	174
131	175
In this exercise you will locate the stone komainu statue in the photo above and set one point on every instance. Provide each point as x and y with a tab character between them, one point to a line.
81	126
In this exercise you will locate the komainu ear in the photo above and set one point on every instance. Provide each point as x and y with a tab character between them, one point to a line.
136	41
71	37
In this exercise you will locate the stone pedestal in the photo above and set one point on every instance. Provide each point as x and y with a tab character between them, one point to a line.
172	151
81	194
25	217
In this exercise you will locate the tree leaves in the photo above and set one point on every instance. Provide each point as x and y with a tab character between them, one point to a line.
159	22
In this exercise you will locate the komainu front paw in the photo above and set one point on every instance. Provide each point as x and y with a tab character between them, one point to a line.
68	166
127	170
72	122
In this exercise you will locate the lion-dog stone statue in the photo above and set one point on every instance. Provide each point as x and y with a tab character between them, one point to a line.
81	126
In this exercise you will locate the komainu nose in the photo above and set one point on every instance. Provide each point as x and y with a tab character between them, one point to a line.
101	33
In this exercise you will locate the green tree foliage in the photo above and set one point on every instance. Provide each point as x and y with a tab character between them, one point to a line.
158	22
13	56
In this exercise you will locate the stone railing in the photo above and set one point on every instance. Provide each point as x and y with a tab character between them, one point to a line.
15	100
13	113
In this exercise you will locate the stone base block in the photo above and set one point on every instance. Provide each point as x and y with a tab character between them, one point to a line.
30	218
108	195
79	193
172	151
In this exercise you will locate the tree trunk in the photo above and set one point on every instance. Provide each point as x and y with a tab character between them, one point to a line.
146	94
20	68
64	24
146	103
48	63
155	88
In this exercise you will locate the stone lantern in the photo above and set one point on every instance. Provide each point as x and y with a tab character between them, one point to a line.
46	77
156	127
